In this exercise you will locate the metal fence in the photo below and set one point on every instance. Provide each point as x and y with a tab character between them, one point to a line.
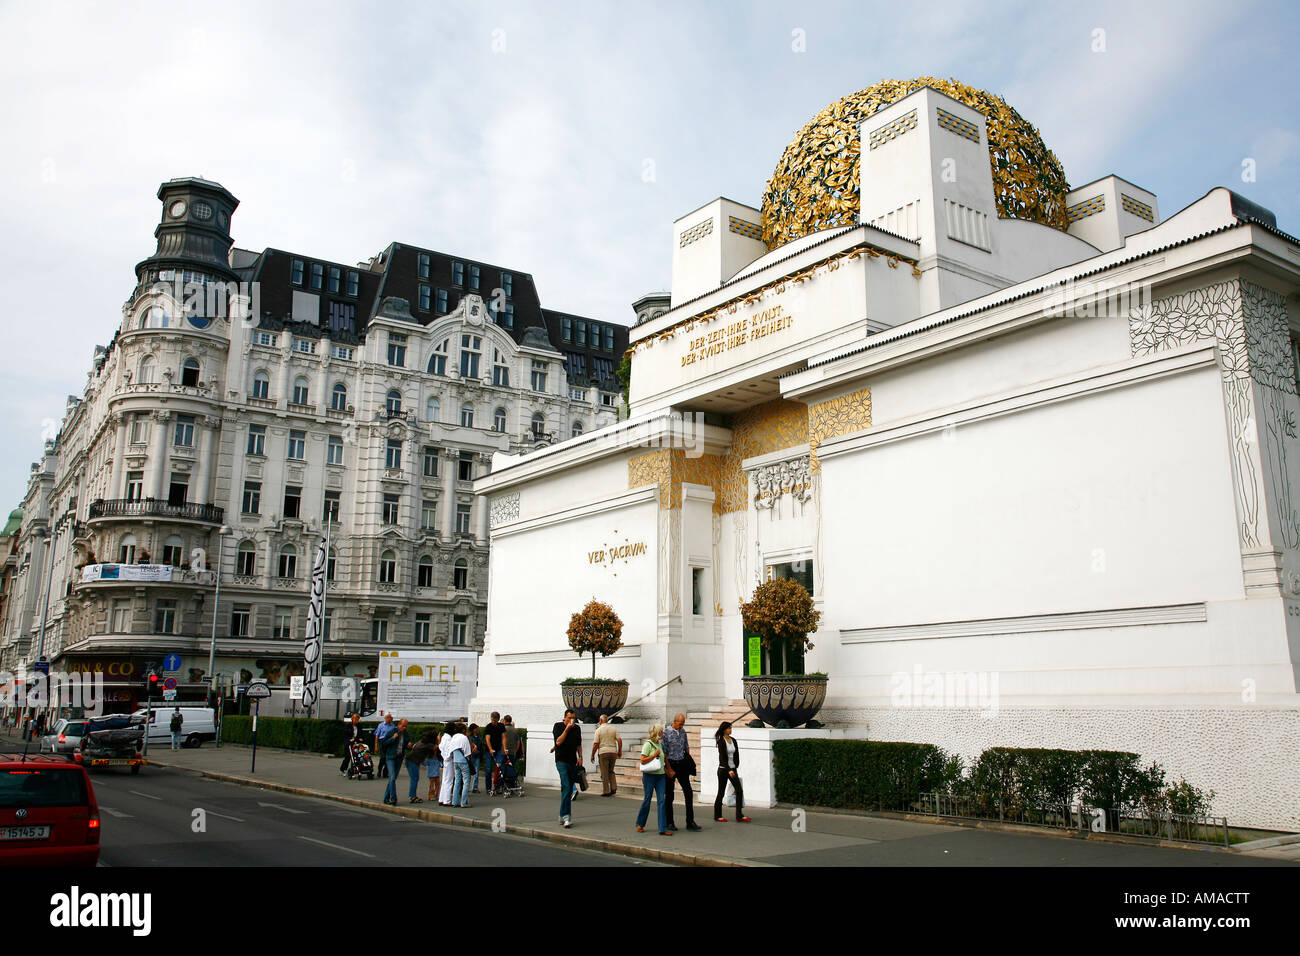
1129	821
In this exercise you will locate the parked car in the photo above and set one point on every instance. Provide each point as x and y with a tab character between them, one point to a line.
199	724
65	738
48	812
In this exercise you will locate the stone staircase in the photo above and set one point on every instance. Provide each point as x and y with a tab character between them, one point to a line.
700	727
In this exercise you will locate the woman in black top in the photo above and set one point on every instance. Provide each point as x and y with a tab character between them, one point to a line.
728	771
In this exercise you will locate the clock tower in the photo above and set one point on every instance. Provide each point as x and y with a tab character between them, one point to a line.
194	234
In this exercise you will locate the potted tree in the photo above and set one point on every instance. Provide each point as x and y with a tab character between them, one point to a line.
782	615
596	629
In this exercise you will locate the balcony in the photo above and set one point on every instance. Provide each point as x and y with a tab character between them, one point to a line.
101	509
136	574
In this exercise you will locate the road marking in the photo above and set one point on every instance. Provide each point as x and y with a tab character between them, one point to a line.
335	846
279	806
116	813
224	817
149	796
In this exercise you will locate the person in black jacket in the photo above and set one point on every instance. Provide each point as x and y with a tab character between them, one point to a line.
356	735
728	772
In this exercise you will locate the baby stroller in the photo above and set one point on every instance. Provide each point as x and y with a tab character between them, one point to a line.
359	762
508	783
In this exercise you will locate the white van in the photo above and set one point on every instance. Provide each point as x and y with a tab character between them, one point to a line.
199	724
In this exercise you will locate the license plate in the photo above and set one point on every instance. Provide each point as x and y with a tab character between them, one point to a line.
24	833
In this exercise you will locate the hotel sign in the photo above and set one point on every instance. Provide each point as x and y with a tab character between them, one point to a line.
738	334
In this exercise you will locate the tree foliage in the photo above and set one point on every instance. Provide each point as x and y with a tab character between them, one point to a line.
781	613
596	629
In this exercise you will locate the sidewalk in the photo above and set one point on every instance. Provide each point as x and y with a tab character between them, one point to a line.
608	824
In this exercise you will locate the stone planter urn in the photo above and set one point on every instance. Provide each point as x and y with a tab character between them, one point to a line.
785	701
590	699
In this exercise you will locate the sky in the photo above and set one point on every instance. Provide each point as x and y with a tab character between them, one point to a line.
559	139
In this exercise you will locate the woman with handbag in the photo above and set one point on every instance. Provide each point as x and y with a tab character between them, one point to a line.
652	780
728	772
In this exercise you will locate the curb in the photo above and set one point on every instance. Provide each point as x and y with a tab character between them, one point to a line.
1266	843
532	833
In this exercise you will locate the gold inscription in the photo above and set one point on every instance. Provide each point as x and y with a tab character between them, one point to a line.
736	334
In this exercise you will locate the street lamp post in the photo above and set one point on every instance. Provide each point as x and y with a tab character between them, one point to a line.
222	534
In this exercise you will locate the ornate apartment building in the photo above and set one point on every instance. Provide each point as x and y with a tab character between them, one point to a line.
248	403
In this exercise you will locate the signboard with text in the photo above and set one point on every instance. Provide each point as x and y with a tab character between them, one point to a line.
427	685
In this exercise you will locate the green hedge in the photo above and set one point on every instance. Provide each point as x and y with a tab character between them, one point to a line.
313	736
1031	778
860	774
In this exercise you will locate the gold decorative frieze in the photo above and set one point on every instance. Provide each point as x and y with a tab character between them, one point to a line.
760	430
696	232
750	230
670	469
891	131
1137	208
838	416
955	124
1089	207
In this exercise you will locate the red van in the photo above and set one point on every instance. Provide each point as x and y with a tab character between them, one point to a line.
48	812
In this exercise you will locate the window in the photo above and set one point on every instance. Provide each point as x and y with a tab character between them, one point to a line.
428	515
396	349
465	466
801	571
354	283
499	420
577	364
178	490
331	565
288	562
339	398
342	352
603	368
327	624
508	315
458	273
430	461
393	402
300	391
121	623
424	572
462	519
387	567
467	415
305	346
184	434
256	439
608	399
336	276
438	358
507	284
239	621
393	453
164	617
246	559
459	629
190	372
282	629
577	394
317	275
134	485
539	425
473	277
267	339
422	628
566	329
425	297
539	375
139	428
295	274
500	370
390	509
297	445
432	410
469	355
342	318
173	551
424	265
126	550
581	337
442	301
379	630
609	338
697	590
576	430
460	575
252	504
292	500
334	451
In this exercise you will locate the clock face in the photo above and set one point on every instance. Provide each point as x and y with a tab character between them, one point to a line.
177	209
202	211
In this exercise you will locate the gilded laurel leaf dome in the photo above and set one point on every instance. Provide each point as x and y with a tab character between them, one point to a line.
815	185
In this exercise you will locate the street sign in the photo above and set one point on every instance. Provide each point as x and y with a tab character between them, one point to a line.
42	667
258	690
169	683
296	687
241	689
172	662
169	693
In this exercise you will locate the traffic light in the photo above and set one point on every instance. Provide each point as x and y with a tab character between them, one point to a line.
152	676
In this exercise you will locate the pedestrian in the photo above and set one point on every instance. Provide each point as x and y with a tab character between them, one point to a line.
652	780
462	764
433	766
514	744
728	772
448	778
609	746
681	767
177	722
476	758
382	731
354	738
418	755
494	739
568	756
394	745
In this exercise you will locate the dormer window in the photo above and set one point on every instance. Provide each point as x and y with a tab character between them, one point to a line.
317	275
458	273
296	272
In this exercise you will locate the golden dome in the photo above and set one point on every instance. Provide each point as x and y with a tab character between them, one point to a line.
815	185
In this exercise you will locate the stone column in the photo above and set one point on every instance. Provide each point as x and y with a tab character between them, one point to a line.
481	504
156	476
119	457
209	446
450	457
